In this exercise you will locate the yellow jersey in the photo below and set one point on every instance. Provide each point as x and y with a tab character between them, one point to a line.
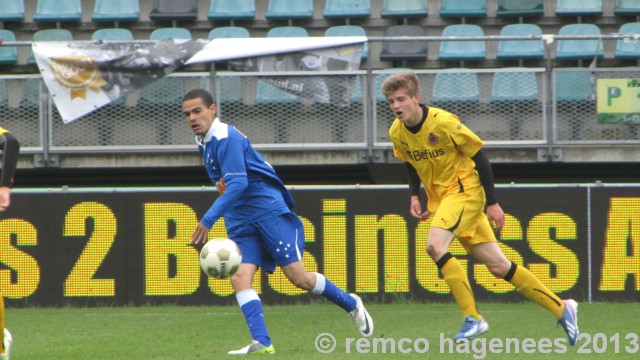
441	153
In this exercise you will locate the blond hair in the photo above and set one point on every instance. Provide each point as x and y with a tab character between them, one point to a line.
406	80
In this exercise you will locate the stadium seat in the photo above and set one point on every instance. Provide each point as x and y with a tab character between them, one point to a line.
579	49
341	9
172	10
520	8
516	86
117	34
170	33
230	89
455	87
58	10
628	49
289	10
578	7
229	32
627	8
404	8
462	50
50	35
349	30
4	94
287	31
463	8
116	10
232	10
30	94
11	10
268	94
572	86
404	50
520	49
8	54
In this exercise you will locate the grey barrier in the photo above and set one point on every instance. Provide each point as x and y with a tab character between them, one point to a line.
516	107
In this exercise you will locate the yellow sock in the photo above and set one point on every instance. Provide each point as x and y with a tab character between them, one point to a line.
1	325
530	287
458	282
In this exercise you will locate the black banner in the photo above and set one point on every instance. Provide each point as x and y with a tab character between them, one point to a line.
119	246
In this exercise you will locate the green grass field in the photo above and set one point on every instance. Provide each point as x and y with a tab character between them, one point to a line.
173	332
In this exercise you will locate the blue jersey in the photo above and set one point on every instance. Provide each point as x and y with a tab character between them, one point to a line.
254	190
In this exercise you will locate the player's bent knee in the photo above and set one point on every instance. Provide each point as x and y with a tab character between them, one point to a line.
498	270
435	252
303	281
241	281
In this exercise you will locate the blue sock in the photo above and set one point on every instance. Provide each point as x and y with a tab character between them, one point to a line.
327	289
251	307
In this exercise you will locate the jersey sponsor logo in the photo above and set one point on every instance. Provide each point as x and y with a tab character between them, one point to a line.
433	139
425	154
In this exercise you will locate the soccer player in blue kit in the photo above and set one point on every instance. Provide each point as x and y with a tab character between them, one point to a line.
257	212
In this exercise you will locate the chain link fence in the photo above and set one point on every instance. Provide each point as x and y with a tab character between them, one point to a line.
523	107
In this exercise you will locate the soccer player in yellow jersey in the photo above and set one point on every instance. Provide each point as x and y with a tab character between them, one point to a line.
445	156
10	148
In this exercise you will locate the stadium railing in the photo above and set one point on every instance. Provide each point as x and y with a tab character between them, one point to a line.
358	126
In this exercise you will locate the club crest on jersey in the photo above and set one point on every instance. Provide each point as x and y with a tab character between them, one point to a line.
433	139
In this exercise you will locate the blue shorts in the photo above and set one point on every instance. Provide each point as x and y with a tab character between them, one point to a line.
275	241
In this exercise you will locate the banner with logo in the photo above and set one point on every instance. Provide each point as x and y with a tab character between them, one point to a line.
84	76
618	101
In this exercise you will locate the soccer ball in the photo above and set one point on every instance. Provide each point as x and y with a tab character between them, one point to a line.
220	258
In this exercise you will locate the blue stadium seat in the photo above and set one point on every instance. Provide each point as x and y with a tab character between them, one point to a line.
349	30
8	54
579	7
232	10
289	10
287	31
230	89
572	86
454	87
627	8
229	32
269	94
520	49
50	35
170	33
340	9
628	49
462	50
116	10
118	34
30	93
404	8
166	91
58	10
404	50
172	10
517	86
579	49
463	8
11	10
4	94
520	8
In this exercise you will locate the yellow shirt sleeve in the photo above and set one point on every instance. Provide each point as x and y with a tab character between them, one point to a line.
467	142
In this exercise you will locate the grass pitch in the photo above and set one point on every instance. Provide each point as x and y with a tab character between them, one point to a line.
517	331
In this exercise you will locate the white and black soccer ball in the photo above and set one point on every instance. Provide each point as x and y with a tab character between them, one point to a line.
220	258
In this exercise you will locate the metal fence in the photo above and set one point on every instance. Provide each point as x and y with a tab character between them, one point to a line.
518	107
506	107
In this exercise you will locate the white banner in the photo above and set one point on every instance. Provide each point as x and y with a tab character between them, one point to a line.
83	77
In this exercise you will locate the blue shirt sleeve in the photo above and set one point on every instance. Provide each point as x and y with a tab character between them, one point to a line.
230	154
